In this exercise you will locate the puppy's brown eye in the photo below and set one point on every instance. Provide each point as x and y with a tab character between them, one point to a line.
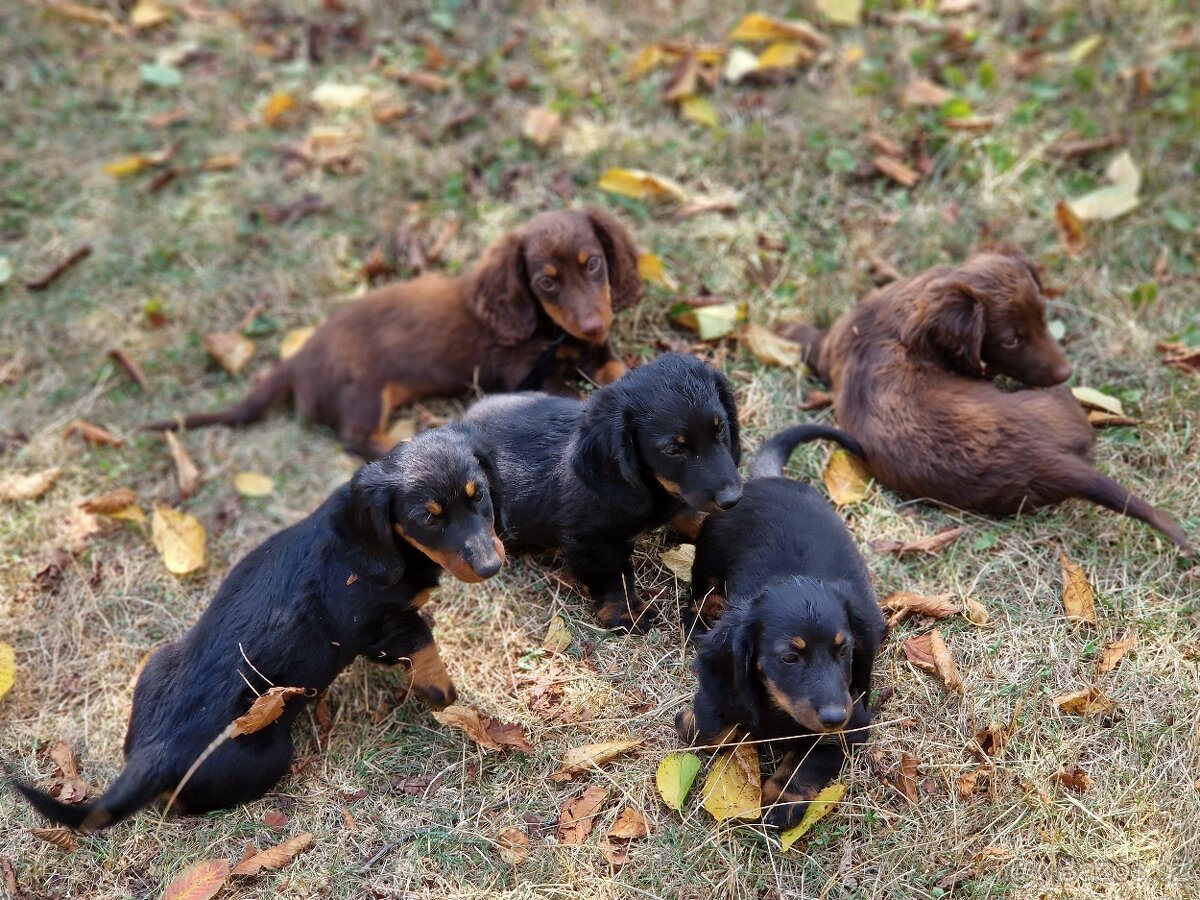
790	658
593	264
1011	344
549	285
675	450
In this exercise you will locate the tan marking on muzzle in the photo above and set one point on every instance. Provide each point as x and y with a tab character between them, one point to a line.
448	560
426	671
422	598
801	710
670	487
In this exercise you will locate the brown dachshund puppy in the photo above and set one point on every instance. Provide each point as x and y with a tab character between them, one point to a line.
549	288
911	370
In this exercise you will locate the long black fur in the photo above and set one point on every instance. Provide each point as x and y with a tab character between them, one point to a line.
589	477
787	568
295	612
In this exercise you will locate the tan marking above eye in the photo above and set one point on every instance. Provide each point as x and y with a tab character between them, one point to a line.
469	489
716	421
839	639
799	643
549	270
433	508
681	439
584	256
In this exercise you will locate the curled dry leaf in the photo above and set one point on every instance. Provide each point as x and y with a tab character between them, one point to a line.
906	777
1070	230
1090	398
27	487
991	740
265	709
640	185
929	653
93	434
187	473
1073	778
756	27
558	637
253	484
629	826
294	340
540	125
1099	419
578	817
199	882
8	668
1089	701
733	787
275	819
679	560
118	504
231	350
846	478
725	204
769	348
70	787
513	846
818	808
684	80
482	730
931	543
676	773
923	92
900	172
1115	199
903	604
1114	653
976	613
1078	598
968	782
62	838
179	539
580	759
1179	356
274	857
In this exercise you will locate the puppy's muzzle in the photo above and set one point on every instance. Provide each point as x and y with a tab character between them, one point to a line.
832	716
728	496
483	555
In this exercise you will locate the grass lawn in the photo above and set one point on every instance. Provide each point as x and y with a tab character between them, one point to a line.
435	159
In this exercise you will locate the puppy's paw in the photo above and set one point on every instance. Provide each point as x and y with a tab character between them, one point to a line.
438	696
785	813
620	615
685	725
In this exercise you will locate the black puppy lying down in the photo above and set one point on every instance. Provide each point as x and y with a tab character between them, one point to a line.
589	477
346	581
790	659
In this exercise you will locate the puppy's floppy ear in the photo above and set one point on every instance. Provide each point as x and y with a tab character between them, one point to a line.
483	455
725	393
605	457
620	254
499	292
365	525
946	323
744	637
869	629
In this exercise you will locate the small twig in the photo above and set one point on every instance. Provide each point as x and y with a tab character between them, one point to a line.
388	848
132	369
251	665
78	256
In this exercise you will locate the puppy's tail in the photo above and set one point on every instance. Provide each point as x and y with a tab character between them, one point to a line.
774	454
270	388
1088	484
138	785
811	340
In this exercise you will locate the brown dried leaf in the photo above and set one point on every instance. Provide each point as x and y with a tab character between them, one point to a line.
1086	702
70	788
1099	419
187	474
906	777
1078	598
817	400
62	838
426	81
904	604
276	819
1179	356
929	653
510	735
769	348
265	709
725	204
1070	229
27	487
968	782
684	80
630	825
132	369
200	882
274	857
1114	653
923	92
898	171
580	759
110	504
578	817
540	125
992	740
231	350
1072	777
976	613
513	846
93	434
931	543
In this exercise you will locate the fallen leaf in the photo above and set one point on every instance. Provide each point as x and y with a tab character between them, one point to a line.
1090	398
93	434
733	787
1084	703
28	487
640	185
253	484
1078	52
278	105
992	740
904	604
187	473
629	826
923	92
128	165
679	560
231	350
274	857
648	59
684	81
179	539
540	125
759	27
783	55
1110	656
426	81
818	808
1072	777
578	817
8	668
725	204
931	543
976	613
929	653
957	7
709	322
846	478
513	846
132	369
1179	356
482	729
900	172
969	781
580	759
78	255
1070	230
558	637
840	12
275	819
118	504
769	348
62	838
676	773
1099	419
906	777
740	63
294	340
699	110
651	268
265	709
331	97
509	735
221	162
70	788
1117	198
1078	598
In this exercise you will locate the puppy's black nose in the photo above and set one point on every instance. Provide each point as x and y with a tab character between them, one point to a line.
487	568
832	716
1061	372
728	497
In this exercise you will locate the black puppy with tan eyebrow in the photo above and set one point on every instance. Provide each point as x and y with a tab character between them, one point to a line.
347	581
588	477
790	659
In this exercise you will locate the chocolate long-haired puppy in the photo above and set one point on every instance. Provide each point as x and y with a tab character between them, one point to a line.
347	581
552	287
790	659
588	477
911	368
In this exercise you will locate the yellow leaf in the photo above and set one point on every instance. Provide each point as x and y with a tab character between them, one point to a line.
277	105
1090	398
760	27
783	55
768	347
199	882
711	322
740	63
1082	49
148	14
841	12
580	759
640	185
294	340
699	109
679	560
8	668
230	349
1078	598
1109	657
647	60
28	487
651	268
846	478
1085	702
179	539
1117	198
733	787
253	484
558	637
128	165
818	808
675	776
540	125
332	97
853	54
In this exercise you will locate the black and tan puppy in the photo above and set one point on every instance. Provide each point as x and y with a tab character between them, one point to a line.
588	477
347	581
790	659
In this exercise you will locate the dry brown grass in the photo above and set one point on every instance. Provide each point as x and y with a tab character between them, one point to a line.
72	102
